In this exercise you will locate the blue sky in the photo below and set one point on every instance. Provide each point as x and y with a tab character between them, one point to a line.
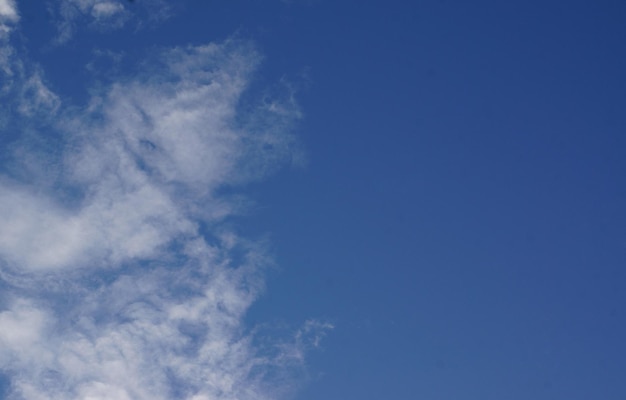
312	199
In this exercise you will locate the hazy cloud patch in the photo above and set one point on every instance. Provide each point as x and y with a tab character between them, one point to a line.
105	15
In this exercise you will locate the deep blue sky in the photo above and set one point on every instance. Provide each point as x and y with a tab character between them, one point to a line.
461	219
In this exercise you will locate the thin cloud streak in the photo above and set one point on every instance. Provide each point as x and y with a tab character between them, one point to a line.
9	16
135	289
105	15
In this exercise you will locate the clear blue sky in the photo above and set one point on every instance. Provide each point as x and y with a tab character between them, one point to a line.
459	218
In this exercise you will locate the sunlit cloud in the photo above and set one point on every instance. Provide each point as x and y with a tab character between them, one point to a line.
8	11
121	278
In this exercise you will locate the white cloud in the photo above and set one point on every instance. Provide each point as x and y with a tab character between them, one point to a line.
152	334
114	226
21	81
21	330
106	15
8	11
118	293
9	16
133	156
106	9
37	97
100	14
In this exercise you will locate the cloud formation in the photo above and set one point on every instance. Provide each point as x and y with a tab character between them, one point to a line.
8	11
8	18
120	279
105	15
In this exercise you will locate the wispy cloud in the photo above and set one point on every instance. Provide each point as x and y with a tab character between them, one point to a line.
121	280
105	14
9	16
8	11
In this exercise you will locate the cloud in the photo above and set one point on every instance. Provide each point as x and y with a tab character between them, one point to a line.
105	15
143	157
19	81
106	9
9	16
140	337
101	14
36	97
8	11
122	279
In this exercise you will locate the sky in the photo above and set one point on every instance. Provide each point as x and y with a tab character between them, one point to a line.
306	199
